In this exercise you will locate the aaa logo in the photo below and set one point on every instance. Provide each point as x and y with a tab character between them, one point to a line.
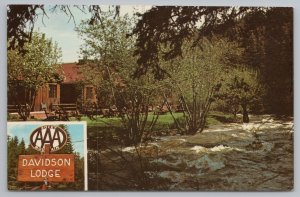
48	134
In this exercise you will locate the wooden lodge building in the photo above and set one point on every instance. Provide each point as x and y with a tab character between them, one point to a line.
65	92
71	92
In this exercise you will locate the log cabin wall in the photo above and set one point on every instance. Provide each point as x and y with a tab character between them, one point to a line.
52	92
48	94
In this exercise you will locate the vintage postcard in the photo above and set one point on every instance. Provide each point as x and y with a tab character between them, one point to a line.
150	98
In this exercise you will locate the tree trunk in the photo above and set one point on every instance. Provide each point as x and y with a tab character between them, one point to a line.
245	114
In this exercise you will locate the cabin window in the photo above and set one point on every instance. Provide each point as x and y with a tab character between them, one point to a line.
89	93
52	90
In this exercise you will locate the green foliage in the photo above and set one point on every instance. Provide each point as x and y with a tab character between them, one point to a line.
68	148
32	70
21	147
267	36
109	53
198	75
172	25
12	146
37	67
106	50
241	88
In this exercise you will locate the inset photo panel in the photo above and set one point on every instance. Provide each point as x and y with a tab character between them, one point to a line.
47	156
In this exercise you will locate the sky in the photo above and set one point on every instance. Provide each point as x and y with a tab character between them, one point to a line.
58	27
23	130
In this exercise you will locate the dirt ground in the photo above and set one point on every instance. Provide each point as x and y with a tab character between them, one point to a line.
257	156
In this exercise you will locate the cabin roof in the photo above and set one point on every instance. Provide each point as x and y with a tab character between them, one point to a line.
71	72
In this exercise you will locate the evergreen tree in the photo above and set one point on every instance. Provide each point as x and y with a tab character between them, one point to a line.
13	154
68	148
267	36
22	148
13	146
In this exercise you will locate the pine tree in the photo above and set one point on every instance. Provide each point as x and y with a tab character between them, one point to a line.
12	159
68	148
21	147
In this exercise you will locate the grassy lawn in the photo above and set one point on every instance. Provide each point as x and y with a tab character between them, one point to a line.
165	120
101	122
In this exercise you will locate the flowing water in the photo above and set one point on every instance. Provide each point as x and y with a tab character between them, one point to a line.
257	156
